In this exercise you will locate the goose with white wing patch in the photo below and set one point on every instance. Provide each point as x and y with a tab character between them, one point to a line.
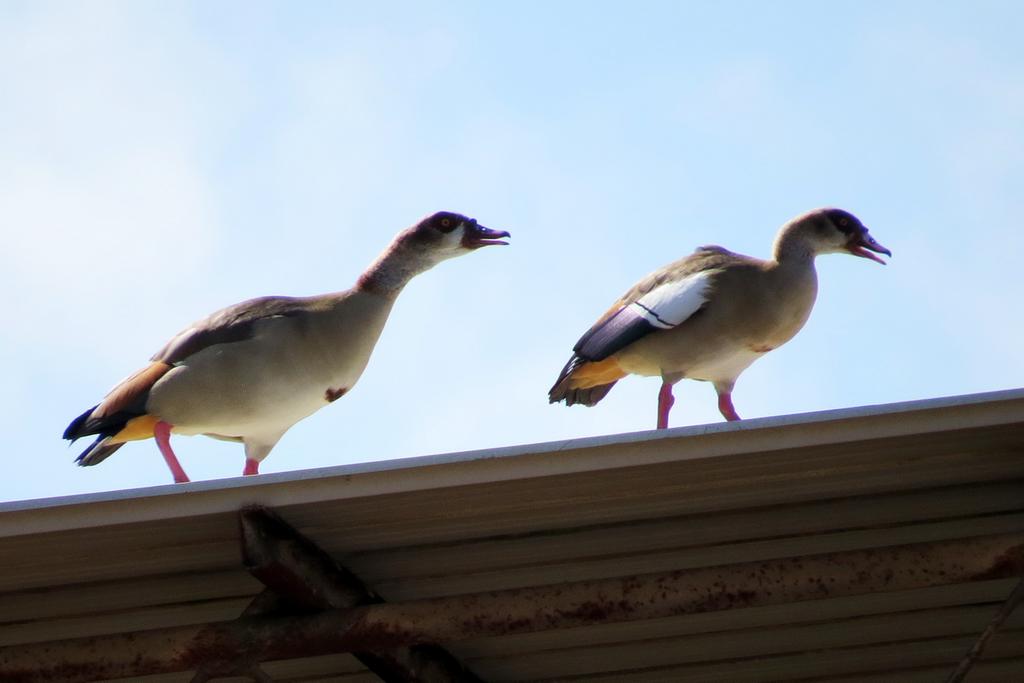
710	315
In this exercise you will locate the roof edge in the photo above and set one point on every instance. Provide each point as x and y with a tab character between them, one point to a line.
513	462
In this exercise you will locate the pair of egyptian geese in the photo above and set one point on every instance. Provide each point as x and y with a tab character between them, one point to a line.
250	371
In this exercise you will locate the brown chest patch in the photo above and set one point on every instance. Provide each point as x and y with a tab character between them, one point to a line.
761	348
333	395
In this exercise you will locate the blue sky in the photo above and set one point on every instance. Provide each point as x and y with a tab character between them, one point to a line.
161	160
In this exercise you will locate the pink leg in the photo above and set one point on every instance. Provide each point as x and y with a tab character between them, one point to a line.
725	407
251	466
665	402
162	432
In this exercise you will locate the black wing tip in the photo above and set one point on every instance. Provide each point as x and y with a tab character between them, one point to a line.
107	425
79	427
558	390
98	450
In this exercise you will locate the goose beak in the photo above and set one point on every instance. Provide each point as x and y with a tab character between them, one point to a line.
475	236
862	245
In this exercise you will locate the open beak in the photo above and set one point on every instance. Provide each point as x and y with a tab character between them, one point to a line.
862	245
475	236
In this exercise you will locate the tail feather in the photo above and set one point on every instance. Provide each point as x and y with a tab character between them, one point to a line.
104	428
557	392
121	408
588	397
582	381
98	451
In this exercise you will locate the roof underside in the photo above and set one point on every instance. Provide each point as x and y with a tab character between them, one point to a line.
578	511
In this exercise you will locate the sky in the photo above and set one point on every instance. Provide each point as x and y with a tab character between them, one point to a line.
161	160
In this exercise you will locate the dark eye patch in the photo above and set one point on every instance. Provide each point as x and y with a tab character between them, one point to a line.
446	223
844	222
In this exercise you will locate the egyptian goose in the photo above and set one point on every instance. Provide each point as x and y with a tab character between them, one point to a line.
250	371
710	315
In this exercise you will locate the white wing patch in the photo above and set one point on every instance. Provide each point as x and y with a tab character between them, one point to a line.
669	304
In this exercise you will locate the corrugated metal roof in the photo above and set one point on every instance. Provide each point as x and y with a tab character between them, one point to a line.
573	511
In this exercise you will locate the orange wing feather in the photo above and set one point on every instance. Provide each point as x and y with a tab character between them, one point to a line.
131	393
